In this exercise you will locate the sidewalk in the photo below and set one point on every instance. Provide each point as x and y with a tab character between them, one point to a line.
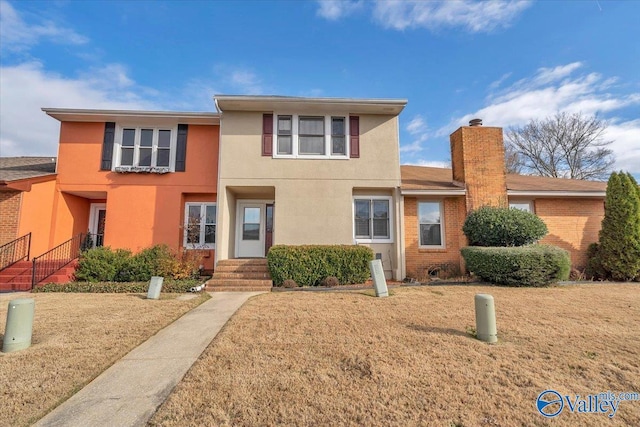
130	391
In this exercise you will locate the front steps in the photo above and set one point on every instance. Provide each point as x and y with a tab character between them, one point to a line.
245	275
17	277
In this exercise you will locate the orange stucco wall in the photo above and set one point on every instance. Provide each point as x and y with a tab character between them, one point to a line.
142	209
36	213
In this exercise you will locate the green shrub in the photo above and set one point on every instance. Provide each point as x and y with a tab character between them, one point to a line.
534	265
492	226
309	265
619	250
103	264
168	286
595	269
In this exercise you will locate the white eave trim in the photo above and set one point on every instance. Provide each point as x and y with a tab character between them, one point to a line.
452	192
83	115
549	193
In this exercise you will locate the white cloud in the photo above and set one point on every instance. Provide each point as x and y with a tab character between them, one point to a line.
246	81
564	88
429	163
26	88
418	130
483	16
17	35
333	10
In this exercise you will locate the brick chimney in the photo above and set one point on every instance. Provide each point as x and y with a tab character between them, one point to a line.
477	157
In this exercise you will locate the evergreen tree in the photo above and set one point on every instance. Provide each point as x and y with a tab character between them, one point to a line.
619	249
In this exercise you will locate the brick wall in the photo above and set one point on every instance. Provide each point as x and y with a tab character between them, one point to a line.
9	215
477	160
419	260
573	224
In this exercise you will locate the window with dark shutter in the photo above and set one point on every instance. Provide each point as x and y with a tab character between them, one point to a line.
354	136
107	146
181	148
267	134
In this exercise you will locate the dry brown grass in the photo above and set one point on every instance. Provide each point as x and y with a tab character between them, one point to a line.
75	338
304	358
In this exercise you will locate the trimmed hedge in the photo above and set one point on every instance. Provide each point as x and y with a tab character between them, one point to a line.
309	265
168	286
535	265
492	226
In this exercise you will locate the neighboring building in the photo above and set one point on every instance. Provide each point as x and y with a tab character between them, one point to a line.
437	200
27	187
134	178
271	170
309	171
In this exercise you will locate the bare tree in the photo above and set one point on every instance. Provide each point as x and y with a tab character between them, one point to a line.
562	146
512	159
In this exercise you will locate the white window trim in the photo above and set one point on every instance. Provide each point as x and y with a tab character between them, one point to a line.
443	235
117	145
358	240
524	202
295	118
202	229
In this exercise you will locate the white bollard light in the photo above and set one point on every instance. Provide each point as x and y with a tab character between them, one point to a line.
486	318
155	287
19	328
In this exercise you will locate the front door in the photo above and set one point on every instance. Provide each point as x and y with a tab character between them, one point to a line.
97	218
250	233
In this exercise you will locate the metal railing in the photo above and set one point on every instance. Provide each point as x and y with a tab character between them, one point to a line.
54	259
14	251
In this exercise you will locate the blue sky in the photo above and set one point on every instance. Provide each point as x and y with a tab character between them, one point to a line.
503	61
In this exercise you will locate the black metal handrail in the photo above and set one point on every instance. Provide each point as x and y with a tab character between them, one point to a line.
14	251
54	259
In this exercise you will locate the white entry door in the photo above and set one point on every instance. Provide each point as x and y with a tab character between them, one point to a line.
97	218
250	230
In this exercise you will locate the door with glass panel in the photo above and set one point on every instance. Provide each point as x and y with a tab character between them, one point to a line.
250	233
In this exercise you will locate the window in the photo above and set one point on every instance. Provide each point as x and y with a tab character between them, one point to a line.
372	219
430	224
311	136
200	226
145	147
523	205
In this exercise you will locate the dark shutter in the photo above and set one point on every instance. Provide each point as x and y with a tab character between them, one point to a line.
181	148
354	136
267	134
107	146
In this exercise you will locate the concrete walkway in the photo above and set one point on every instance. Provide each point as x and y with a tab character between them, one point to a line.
130	391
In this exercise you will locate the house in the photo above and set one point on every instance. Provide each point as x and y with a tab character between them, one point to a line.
309	171
437	200
268	170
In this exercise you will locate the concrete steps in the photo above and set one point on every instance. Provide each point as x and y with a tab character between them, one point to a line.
242	275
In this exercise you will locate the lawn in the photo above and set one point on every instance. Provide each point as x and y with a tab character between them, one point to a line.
75	338
347	358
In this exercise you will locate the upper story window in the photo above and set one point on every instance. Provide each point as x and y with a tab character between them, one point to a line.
308	136
145	146
372	219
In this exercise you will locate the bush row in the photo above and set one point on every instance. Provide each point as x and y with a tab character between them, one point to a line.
168	286
310	265
535	265
103	264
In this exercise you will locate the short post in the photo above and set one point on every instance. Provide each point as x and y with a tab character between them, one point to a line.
486	318
379	281
155	286
19	328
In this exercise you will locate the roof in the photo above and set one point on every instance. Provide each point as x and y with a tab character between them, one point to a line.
309	105
87	115
17	168
428	180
